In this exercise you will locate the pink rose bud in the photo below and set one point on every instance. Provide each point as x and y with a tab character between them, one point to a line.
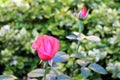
46	46
83	13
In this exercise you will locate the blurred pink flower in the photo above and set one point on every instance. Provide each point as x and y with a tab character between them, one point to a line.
46	46
83	13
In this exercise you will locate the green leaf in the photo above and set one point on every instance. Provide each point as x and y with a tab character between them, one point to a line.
60	57
50	77
7	77
97	68
82	63
64	77
75	55
71	37
93	38
118	75
36	73
85	72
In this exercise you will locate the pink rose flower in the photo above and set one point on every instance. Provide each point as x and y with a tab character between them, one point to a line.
83	13
46	46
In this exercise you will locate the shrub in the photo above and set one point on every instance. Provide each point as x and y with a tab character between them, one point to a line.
22	21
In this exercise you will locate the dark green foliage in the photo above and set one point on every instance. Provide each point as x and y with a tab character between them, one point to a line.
21	22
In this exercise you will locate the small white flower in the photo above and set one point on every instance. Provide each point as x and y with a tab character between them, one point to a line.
109	10
83	53
6	27
97	59
91	53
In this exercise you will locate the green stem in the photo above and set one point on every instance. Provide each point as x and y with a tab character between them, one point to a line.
45	67
80	27
73	67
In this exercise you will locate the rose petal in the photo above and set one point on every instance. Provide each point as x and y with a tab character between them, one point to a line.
83	13
43	55
34	46
46	46
55	45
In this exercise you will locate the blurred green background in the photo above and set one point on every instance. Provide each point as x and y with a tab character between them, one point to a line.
22	20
